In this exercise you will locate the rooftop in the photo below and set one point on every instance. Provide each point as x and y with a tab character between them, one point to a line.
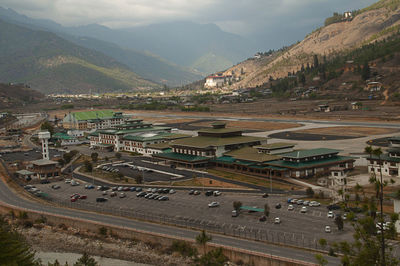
251	154
159	146
93	114
24	172
133	130
42	162
309	153
220	130
275	146
205	142
181	157
287	164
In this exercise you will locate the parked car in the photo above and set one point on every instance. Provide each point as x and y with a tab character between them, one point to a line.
74	199
278	206
113	194
114	188
217	193
104	192
213	204
290	208
132	189
67	181
122	195
263	218
191	192
101	199
277	220
306	203
154	190
327	229
235	213
141	194
330	214
265	195
314	204
74	183
120	188
196	192
55	186
333	207
138	189
171	191
293	201
303	209
208	193
82	197
163	198
300	202
44	181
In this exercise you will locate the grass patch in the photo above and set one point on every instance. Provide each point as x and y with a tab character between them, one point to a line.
259	181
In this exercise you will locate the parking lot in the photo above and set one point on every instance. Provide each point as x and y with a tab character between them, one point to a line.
193	210
149	174
34	154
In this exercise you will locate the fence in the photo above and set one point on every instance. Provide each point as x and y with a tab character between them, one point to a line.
266	235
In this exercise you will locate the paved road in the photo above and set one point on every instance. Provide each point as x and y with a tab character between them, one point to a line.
9	197
326	122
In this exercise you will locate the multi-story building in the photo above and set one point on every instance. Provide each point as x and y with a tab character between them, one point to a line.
209	144
92	120
389	162
135	136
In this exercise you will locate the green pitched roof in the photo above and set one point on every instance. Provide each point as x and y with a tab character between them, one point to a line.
385	157
219	130
87	115
204	142
309	153
309	164
274	146
251	154
60	135
181	157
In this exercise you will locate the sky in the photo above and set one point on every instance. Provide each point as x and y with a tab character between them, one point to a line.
271	23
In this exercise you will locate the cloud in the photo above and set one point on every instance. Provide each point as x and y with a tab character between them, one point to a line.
260	18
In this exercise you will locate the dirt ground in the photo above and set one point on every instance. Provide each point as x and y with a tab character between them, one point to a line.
252	125
203	181
349	131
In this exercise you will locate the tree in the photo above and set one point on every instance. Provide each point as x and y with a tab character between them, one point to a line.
47	126
322	242
213	258
316	63
86	260
139	179
366	72
94	156
237	205
266	209
321	260
118	155
302	78
13	248
339	222
88	166
310	192
202	239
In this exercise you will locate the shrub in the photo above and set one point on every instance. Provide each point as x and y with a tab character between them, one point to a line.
184	248
103	231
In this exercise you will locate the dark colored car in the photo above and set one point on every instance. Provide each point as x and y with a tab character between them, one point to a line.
265	195
333	207
191	192
209	193
263	218
44	181
278	206
101	199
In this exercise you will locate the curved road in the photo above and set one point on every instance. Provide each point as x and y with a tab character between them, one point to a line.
8	196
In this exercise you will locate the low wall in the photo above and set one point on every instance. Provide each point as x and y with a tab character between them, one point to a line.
233	254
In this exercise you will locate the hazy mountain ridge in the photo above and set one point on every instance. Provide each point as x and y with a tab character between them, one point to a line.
145	64
46	62
370	24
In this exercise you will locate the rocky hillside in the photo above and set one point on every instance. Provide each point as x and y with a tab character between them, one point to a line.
373	23
18	94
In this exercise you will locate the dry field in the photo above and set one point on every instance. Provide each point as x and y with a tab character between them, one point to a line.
267	126
349	131
205	182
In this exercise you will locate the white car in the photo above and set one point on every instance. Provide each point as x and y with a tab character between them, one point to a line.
314	204
172	191
277	220
330	214
122	195
213	204
327	229
74	183
290	208
67	181
303	209
217	193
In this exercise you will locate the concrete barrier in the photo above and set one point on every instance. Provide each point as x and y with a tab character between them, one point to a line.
233	254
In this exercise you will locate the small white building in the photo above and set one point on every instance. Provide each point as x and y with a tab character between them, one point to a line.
389	162
338	176
216	81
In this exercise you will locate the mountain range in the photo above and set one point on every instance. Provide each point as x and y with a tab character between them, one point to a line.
367	26
173	53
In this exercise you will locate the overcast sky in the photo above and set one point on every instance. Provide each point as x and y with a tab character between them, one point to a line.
276	22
